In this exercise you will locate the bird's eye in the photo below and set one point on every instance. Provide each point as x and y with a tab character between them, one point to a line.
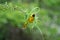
33	15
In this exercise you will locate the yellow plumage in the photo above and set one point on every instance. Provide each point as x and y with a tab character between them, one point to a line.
30	20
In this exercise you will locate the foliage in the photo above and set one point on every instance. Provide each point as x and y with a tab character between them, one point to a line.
45	25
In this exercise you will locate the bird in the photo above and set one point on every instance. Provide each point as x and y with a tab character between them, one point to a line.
29	20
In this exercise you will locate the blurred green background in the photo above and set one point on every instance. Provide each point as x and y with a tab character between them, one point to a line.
46	25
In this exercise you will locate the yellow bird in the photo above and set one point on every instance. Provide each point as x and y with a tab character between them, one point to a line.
30	20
